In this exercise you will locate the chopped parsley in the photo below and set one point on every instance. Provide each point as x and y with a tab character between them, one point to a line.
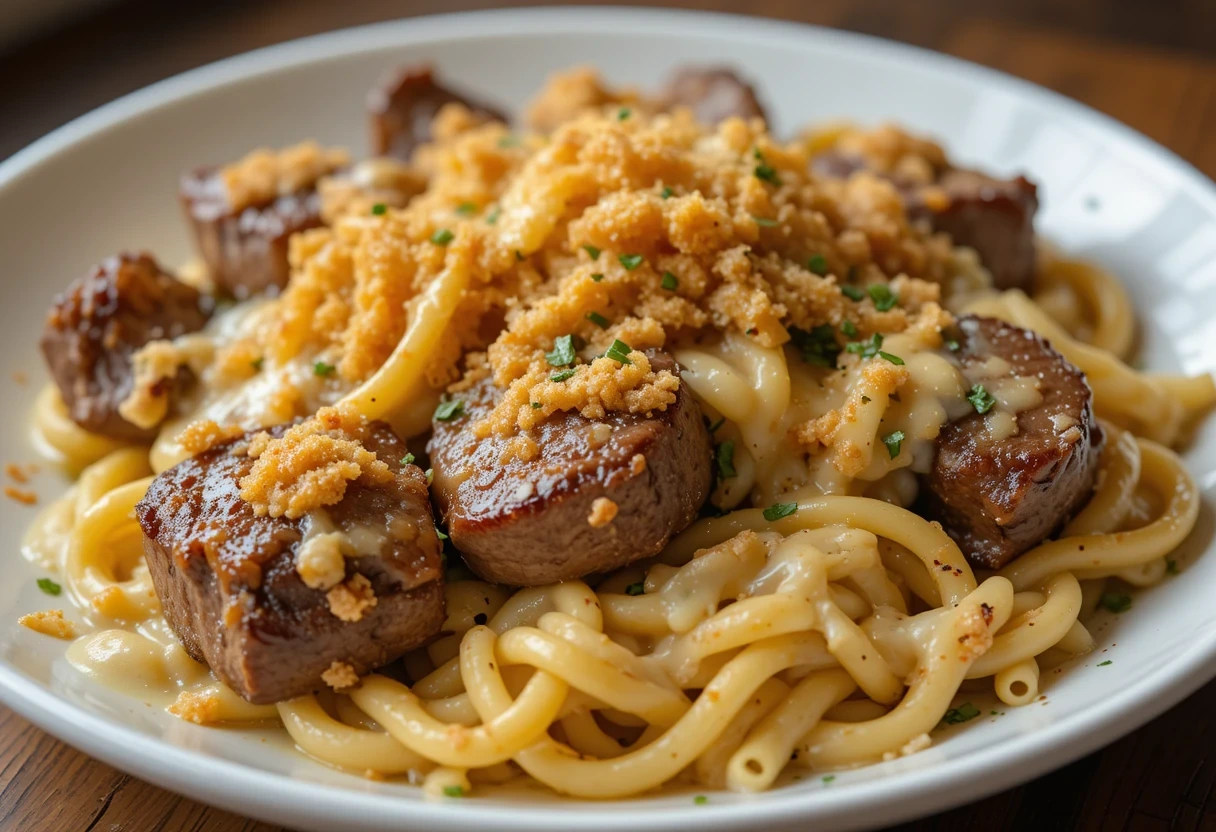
537	405
849	328
49	587
466	209
893	441
597	319
439	534
257	364
670	282
714	427
817	347
1115	603
453	791
408	459
952	345
980	399
724	455
442	237
630	261
1171	566
379	209
493	216
764	171
508	141
963	713
866	349
321	368
593	251
778	510
449	410
563	375
563	352
882	296
430	476
700	800
666	193
1105	663
636	589
818	264
829	779
597	277
623	113
853	293
764	222
619	351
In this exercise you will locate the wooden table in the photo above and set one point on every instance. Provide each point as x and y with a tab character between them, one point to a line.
1151	65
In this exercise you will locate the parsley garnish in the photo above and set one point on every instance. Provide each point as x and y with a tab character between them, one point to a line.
597	277
670	282
1105	663
778	510
714	427
466	209
764	222
725	457
666	193
508	141
764	171
630	261
563	352
597	319
952	345
257	364
882	296
439	534
442	237
894	359
49	587
408	459
593	251
963	713
1171	566
849	328
853	293
430	476
493	216
700	800
449	410
818	264
619	351
980	399
893	440
563	375
818	347
866	349
453	791
537	405
322	369
379	209
623	113
636	589
1115	603
829	779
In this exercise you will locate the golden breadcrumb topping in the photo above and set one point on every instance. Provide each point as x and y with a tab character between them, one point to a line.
887	149
340	675
572	92
309	466
265	174
49	623
200	707
603	511
201	435
350	600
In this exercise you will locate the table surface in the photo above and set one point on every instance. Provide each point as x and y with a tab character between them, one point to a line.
1150	65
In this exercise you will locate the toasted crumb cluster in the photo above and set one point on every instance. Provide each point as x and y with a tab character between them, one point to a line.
310	465
264	174
201	435
200	707
603	511
349	601
340	675
49	623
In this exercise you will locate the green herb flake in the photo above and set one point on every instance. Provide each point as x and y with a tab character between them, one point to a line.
1171	566
49	587
563	352
764	222
1105	663
700	800
893	441
379	209
778	510
630	261
493	216
449	410
442	237
894	359
597	277
818	264
508	141
981	399
257	364
619	351
884	299
853	293
849	329
537	405
817	347
1114	602
453	791
866	349
430	476
466	209
593	251
408	459
952	345
666	193
963	713
321	368
763	170
724	454
670	282
636	589
829	779
714	427
597	319
439	534
562	376
623	113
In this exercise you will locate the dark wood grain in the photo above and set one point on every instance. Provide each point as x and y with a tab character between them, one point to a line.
1151	65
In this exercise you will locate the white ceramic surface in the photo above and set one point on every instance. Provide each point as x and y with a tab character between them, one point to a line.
107	181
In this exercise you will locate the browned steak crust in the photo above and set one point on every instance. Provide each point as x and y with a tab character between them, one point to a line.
712	93
228	582
100	322
527	523
999	498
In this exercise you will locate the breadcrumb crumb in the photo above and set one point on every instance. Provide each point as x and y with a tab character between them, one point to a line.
340	676
49	623
200	707
603	511
201	435
351	600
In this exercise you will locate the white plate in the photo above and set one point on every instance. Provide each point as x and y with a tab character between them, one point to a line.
107	181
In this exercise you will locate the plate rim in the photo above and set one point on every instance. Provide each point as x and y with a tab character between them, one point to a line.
898	796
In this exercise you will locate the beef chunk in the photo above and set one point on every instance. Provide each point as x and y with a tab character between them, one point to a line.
100	322
712	93
246	249
403	104
230	588
993	216
535	522
999	497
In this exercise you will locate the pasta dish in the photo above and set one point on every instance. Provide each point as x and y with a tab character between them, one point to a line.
613	444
